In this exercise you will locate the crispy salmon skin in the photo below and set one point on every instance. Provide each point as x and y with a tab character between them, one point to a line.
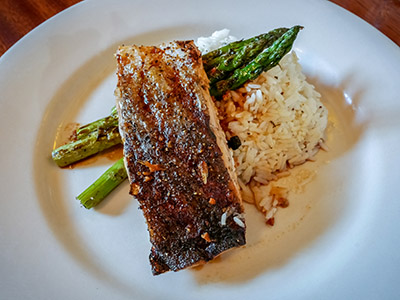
176	156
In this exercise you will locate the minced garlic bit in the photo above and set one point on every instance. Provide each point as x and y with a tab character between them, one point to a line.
135	188
203	169
151	167
147	178
206	236
223	218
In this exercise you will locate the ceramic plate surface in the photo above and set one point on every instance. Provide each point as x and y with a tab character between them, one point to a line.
339	237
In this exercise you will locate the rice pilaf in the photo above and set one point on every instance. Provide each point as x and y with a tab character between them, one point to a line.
280	121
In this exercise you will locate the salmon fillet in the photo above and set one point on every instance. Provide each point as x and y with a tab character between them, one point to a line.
176	155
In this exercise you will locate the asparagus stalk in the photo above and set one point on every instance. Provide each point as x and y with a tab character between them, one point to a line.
104	185
92	143
102	126
221	66
229	49
264	61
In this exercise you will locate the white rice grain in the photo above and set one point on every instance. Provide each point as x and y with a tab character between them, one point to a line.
280	120
238	221
223	218
281	125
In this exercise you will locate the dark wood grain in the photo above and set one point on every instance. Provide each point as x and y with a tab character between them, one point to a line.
382	14
18	17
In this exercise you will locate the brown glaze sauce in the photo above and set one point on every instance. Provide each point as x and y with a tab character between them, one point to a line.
66	134
112	154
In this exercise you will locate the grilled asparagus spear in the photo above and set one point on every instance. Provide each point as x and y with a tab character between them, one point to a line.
235	56
102	125
264	61
104	185
91	144
214	56
89	139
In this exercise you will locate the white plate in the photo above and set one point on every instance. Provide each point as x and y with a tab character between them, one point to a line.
338	239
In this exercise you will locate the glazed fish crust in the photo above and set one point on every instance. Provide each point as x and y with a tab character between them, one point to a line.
178	165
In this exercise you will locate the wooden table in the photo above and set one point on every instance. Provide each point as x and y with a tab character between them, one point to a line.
18	17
